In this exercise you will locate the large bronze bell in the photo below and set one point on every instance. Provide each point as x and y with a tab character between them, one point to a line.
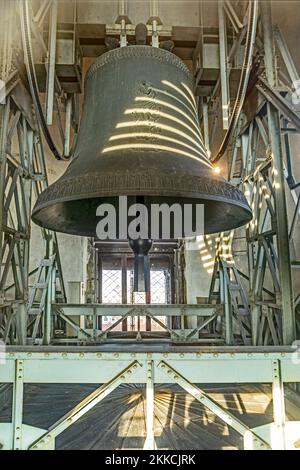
139	137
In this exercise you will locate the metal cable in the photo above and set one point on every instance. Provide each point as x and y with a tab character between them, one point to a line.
245	73
28	58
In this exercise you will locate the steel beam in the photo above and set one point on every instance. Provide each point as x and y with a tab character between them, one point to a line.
84	406
206	127
203	310
4	118
42	11
68	126
211	404
280	103
96	364
278	403
223	65
17	406
150	440
282	45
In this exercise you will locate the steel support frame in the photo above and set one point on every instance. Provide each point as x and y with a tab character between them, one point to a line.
85	405
230	293
22	171
15	188
262	235
288	315
186	368
273	179
208	313
229	12
265	181
212	405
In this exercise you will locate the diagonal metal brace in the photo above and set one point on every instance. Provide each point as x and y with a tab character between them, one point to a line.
84	406
156	320
280	103
212	405
103	334
201	327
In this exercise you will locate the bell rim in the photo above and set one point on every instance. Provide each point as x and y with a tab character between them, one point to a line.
164	185
80	231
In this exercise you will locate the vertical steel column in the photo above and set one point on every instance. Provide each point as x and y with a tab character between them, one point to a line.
154	21
225	298
68	125
27	185
122	15
124	288
51	63
288	317
223	65
17	406
26	152
47	320
150	441
20	313
4	117
278	403
205	127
